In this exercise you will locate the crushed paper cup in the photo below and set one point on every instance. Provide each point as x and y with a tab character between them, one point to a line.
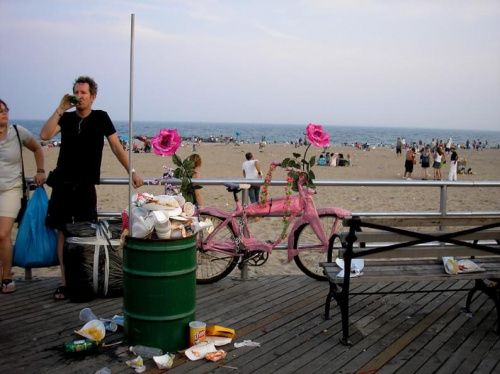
199	351
188	209
93	330
164	362
356	266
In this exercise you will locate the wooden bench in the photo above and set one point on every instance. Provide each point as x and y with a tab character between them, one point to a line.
410	248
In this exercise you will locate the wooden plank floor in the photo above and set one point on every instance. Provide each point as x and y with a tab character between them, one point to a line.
398	333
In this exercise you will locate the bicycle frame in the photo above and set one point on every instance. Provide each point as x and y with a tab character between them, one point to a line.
302	210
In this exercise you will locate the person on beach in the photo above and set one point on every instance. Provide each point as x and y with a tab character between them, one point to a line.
439	159
399	146
251	170
328	159
452	174
447	148
321	160
11	190
409	162
78	170
196	160
425	162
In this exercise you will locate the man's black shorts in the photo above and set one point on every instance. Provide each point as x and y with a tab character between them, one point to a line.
71	202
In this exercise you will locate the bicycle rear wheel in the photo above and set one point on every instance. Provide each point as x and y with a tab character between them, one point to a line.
308	260
212	265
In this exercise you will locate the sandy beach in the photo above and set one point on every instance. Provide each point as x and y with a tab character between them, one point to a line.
220	161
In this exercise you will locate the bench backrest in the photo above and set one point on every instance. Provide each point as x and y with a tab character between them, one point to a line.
422	237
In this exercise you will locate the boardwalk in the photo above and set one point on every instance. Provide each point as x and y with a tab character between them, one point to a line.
417	332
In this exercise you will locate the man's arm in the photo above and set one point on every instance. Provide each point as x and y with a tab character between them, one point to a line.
257	166
51	127
121	156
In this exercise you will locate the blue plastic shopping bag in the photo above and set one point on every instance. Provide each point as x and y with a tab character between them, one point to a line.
36	244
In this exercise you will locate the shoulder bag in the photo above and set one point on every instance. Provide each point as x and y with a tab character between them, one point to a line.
24	198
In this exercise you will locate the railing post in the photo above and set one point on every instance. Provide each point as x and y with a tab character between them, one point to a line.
443	200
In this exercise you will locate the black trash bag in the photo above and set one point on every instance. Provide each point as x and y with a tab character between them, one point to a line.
93	267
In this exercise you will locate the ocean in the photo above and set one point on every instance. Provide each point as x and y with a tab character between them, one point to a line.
282	133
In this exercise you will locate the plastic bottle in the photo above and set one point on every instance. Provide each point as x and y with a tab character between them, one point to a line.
146	352
81	345
104	370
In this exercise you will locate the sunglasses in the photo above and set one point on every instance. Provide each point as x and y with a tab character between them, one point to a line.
4	110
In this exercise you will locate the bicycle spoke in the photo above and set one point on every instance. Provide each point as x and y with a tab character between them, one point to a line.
311	250
213	265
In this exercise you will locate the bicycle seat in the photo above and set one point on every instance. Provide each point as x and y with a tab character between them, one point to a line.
232	187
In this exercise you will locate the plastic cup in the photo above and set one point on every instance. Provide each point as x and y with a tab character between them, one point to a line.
197	332
86	315
110	326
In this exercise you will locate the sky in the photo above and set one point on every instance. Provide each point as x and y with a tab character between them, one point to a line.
412	63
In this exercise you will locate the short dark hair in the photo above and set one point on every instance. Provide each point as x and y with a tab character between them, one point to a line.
91	82
249	155
4	104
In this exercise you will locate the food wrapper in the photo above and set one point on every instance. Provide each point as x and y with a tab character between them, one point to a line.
216	356
164	362
225	332
137	364
356	266
468	266
246	343
93	330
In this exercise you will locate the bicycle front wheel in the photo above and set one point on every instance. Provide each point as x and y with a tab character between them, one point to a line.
212	265
308	260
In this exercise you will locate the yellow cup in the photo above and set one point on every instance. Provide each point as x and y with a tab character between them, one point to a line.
197	332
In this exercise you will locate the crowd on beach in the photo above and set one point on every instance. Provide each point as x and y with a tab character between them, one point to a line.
434	154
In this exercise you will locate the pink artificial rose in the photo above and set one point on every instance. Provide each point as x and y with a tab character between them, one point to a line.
166	142
317	136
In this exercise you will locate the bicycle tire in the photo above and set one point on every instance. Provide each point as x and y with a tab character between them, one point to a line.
214	266
308	261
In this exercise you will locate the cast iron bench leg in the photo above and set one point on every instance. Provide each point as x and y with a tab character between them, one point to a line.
493	293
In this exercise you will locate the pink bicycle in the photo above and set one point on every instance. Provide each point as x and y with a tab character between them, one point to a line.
229	240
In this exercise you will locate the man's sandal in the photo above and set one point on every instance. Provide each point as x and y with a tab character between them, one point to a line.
8	286
61	293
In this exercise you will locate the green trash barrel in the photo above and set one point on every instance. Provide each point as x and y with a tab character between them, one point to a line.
159	291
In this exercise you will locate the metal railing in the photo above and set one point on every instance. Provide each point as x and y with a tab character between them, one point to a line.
442	185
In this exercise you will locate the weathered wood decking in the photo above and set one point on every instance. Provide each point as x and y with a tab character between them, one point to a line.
406	333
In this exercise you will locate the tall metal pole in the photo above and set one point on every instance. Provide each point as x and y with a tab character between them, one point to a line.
130	122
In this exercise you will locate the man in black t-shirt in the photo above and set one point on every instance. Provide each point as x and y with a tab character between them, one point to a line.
78	170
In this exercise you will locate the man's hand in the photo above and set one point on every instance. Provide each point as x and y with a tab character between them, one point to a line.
137	181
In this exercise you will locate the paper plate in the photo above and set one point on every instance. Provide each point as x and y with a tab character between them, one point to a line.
162	202
199	351
179	218
218	340
93	330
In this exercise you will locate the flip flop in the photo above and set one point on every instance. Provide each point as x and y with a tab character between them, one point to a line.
61	293
8	286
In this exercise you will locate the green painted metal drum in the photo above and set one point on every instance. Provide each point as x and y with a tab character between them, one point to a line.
159	291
